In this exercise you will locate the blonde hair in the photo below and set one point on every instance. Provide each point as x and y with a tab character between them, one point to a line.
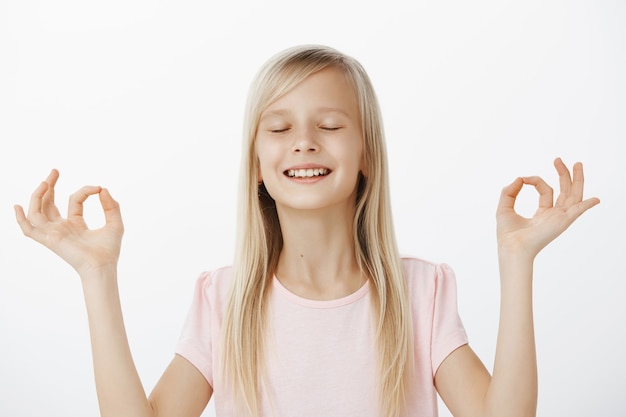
259	239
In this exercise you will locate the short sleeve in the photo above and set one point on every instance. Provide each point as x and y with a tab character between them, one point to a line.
195	343
448	332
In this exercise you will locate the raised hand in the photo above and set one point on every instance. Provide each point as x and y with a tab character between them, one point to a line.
528	236
70	238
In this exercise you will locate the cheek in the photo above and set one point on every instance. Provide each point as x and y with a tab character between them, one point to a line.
266	161
261	151
355	155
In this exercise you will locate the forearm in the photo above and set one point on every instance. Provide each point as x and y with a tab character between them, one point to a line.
120	392
513	387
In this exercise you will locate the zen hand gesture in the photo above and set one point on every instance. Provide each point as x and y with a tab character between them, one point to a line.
70	238
529	236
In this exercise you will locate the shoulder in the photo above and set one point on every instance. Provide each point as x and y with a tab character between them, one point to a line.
214	284
424	277
215	276
417	268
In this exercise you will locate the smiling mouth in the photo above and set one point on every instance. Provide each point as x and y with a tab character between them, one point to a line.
307	173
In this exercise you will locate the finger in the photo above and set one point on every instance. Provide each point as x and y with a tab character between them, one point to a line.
578	182
577	209
565	179
22	221
48	206
36	201
112	213
509	194
546	193
75	207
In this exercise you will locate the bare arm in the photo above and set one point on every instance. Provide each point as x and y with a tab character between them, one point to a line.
462	381
94	254
181	391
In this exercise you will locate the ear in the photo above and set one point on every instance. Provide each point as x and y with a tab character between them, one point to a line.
259	175
363	167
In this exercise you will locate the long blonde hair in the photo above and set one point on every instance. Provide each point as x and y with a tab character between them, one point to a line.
259	239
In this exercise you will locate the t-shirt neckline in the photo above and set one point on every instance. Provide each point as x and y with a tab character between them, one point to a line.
339	302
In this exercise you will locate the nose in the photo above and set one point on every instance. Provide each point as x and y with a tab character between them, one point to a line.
305	142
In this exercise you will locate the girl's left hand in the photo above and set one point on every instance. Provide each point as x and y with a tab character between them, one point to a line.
525	236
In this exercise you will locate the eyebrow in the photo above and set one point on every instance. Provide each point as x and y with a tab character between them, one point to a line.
283	112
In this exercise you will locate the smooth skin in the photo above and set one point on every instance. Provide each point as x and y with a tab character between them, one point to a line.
462	380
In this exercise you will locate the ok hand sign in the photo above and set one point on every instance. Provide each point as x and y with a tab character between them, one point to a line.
528	236
70	238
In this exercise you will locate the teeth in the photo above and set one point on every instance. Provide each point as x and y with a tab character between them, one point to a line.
307	173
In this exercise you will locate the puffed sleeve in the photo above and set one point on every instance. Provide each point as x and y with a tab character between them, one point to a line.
448	332
195	342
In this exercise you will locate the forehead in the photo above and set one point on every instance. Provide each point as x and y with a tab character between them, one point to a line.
328	91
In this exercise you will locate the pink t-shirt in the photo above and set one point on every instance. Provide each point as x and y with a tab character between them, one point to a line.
321	358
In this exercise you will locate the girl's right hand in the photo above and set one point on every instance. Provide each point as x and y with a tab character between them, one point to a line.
84	249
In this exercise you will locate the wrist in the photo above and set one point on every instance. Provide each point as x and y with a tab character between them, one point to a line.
100	288
515	264
517	254
102	273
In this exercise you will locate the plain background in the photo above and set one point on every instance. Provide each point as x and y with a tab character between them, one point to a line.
146	98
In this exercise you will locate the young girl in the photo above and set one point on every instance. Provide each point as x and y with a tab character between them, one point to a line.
319	315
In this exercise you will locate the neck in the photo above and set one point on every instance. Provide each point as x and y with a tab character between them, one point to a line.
318	259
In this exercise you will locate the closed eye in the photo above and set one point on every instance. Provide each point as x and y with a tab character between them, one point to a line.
279	130
330	128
